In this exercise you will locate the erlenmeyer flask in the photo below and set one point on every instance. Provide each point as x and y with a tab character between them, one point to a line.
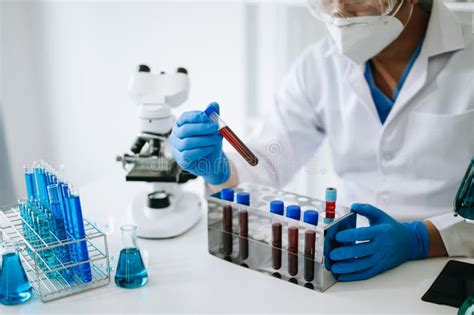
131	272
14	284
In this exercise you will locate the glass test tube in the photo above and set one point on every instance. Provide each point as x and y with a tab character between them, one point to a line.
231	137
311	220
294	213
243	198
77	223
59	228
227	241
331	196
277	209
30	182
41	183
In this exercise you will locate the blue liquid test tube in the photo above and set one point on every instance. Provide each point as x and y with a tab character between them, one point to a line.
64	189
30	182
41	183
77	224
57	221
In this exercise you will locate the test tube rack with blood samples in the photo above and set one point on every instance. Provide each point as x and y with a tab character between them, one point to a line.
256	233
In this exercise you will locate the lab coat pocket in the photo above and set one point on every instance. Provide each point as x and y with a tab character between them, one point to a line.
440	146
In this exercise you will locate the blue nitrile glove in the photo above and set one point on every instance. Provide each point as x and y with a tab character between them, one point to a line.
388	244
197	146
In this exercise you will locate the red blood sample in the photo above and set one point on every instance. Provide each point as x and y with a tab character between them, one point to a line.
293	250
330	209
309	245
243	233
276	245
243	150
227	230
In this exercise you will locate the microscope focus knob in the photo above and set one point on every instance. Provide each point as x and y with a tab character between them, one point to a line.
158	200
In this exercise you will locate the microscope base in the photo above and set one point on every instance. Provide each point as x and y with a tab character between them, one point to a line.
181	215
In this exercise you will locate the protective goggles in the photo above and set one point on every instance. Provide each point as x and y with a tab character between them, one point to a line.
350	12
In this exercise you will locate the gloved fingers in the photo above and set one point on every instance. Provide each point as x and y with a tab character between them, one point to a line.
357	264
354	251
196	116
195	129
192	117
372	213
186	158
363	274
361	234
190	143
214	106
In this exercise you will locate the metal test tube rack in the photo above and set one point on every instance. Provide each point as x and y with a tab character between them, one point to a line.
259	238
47	287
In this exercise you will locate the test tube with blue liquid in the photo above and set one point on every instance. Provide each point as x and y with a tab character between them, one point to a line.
131	272
58	222
41	182
78	231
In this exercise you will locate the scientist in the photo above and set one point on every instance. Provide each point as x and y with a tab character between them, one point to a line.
392	89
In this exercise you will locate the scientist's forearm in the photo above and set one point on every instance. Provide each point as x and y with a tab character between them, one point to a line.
437	247
231	182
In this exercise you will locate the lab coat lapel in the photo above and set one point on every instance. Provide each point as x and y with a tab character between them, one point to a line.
444	34
356	81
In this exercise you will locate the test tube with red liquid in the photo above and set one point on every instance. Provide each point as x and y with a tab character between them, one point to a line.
227	241
243	198
331	196
277	209
310	219
231	137
294	213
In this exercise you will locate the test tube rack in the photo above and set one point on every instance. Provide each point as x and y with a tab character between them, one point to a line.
259	237
52	288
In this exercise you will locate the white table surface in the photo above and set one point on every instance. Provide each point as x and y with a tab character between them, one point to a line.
185	278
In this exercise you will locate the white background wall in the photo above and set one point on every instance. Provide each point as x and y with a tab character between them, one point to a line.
66	66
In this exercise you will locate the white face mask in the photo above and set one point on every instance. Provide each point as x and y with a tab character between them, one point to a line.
368	36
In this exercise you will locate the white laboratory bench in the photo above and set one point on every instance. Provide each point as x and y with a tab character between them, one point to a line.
185	278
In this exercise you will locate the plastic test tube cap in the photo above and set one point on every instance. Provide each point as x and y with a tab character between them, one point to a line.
243	198
227	194
293	212
311	217
277	207
331	194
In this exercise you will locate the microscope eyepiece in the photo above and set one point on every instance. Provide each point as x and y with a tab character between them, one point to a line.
182	70
144	68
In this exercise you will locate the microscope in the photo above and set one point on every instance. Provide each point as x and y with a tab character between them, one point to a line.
165	210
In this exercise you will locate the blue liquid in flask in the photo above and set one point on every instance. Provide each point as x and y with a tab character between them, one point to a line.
131	272
14	285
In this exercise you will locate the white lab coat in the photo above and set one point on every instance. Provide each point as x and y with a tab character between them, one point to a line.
412	165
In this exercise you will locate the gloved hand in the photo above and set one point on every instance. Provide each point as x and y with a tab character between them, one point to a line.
388	244
197	146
